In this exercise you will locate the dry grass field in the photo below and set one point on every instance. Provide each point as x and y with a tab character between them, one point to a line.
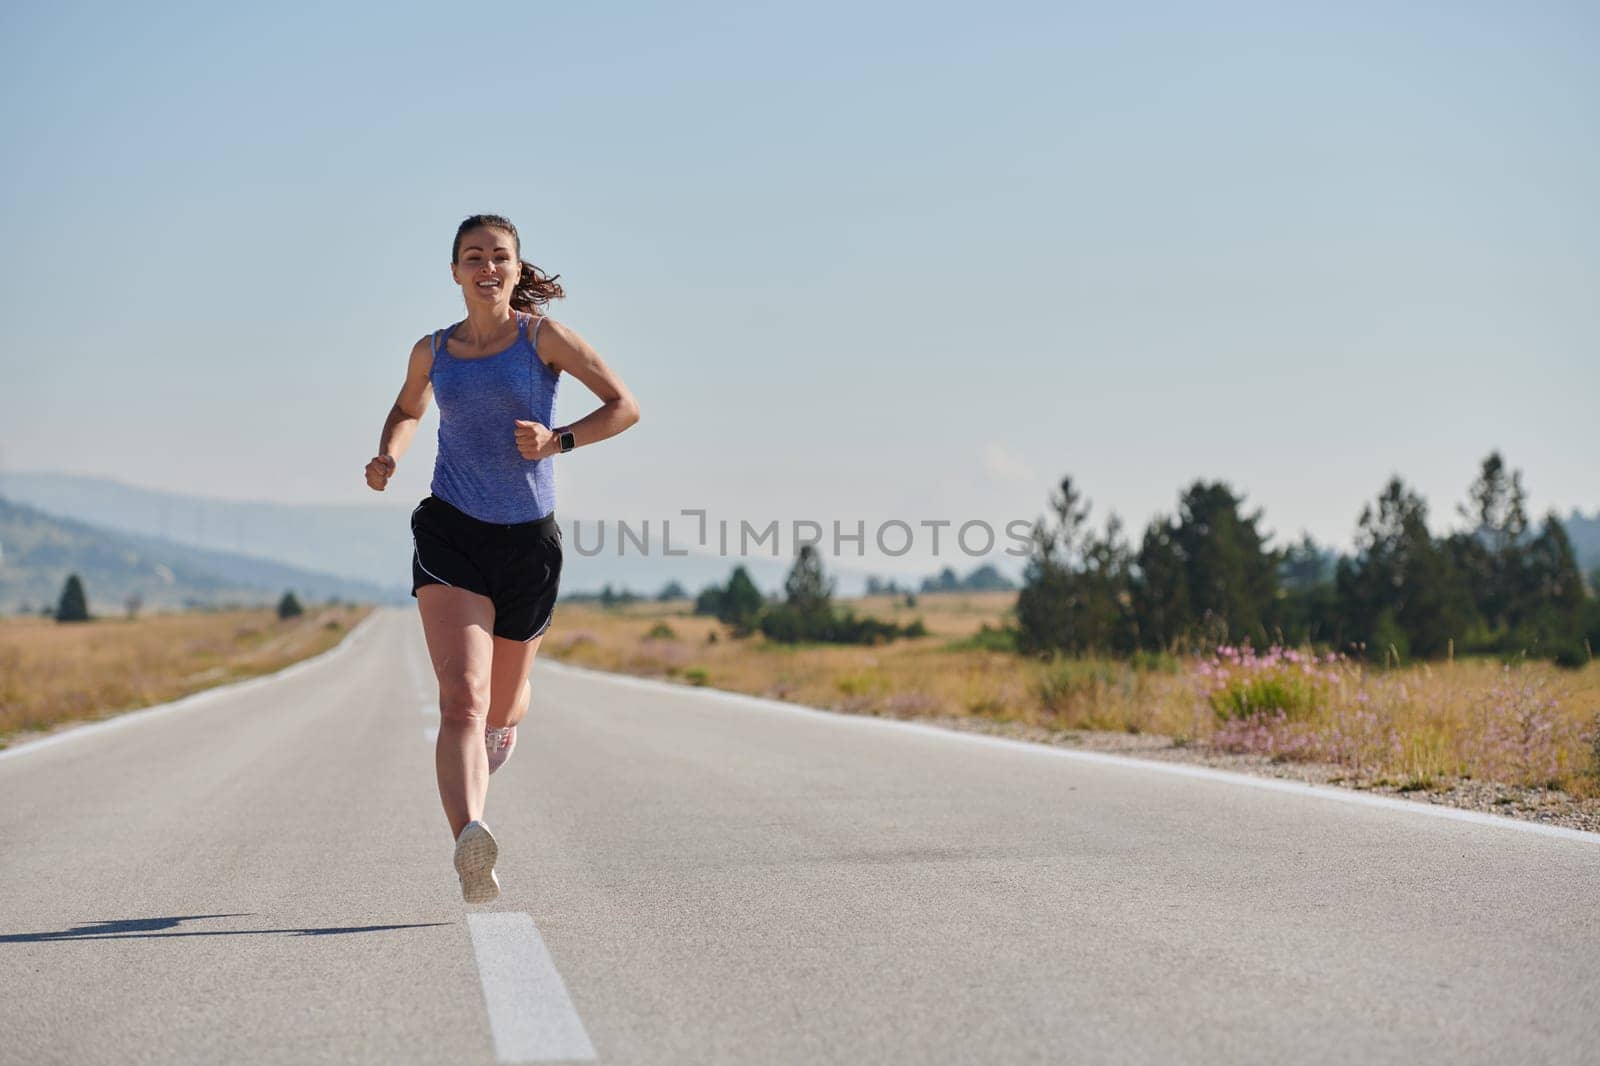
53	673
1423	727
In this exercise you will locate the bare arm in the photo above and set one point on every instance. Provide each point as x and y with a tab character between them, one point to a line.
563	349
401	424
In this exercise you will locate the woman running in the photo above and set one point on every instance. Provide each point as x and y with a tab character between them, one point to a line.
487	559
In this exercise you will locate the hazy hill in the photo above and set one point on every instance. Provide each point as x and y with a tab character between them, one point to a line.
984	578
1585	536
39	550
368	543
371	543
365	543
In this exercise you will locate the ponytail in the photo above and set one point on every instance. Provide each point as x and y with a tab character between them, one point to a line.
534	287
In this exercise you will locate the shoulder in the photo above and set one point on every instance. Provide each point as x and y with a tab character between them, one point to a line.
552	342
420	361
559	345
434	341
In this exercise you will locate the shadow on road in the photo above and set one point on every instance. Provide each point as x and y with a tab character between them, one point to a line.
140	928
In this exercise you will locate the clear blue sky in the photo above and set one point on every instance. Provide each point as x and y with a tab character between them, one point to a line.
911	261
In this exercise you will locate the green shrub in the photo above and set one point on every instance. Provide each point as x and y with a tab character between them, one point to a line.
987	638
786	624
867	683
661	631
1389	642
1570	655
1066	681
1155	662
1263	693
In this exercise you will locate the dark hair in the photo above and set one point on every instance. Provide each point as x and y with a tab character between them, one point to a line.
534	288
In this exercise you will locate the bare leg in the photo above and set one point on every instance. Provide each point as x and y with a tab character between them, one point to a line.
459	626
509	690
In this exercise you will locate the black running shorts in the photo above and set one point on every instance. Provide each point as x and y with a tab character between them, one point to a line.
516	566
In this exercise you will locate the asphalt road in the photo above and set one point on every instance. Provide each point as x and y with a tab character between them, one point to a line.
263	874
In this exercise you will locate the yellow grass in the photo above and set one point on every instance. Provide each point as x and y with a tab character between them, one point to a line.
53	673
1420	726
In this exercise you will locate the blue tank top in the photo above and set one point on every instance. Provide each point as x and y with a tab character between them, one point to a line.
478	469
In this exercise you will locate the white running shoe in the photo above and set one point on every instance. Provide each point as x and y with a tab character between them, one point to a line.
476	852
499	742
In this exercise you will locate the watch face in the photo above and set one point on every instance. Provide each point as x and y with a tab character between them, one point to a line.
568	442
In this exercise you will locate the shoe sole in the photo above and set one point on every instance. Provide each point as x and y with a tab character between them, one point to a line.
475	857
505	755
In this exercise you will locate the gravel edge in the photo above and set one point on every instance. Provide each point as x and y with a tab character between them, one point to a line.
1549	806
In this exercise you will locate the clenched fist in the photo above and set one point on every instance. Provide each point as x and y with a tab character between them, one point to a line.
379	471
535	440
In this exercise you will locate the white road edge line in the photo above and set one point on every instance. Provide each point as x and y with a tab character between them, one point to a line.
1273	784
189	702
531	1017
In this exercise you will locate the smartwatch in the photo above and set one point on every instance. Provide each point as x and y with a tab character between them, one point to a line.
568	441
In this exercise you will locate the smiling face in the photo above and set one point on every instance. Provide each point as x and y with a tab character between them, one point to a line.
487	266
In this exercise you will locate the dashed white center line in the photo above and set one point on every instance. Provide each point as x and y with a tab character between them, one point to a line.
531	1017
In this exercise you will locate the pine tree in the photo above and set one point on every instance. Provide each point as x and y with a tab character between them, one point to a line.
1402	589
1553	620
1435	608
1491	552
1048	605
289	607
1304	566
1161	588
709	602
740	603
1308	605
806	589
1229	571
1108	623
73	605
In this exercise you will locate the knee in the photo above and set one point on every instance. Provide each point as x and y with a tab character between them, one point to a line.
464	703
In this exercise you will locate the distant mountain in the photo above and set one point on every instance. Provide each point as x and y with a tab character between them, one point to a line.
365	543
983	578
368	543
39	550
1585	536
